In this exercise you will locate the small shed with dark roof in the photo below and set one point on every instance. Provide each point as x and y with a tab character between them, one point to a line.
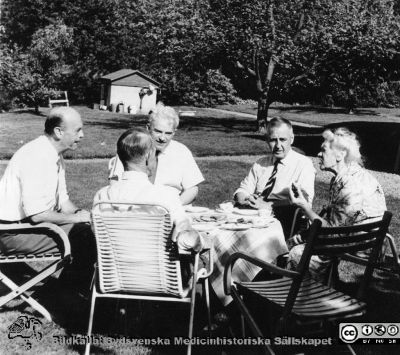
134	89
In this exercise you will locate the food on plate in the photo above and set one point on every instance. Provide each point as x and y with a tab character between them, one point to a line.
246	212
213	218
196	209
243	220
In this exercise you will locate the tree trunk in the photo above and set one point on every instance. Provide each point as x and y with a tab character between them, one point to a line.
351	100
262	113
37	107
263	100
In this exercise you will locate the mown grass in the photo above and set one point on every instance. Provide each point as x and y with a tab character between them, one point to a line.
212	132
322	116
208	133
222	177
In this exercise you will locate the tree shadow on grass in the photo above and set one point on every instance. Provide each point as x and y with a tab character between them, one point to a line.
186	123
329	110
379	142
28	111
307	139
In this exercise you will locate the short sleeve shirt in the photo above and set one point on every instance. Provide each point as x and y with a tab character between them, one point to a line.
33	182
176	168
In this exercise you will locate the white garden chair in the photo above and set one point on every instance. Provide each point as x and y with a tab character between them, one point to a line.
137	258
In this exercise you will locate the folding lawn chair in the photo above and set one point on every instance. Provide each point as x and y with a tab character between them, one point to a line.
137	259
58	260
297	295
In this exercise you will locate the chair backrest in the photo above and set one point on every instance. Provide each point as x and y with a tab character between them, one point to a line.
335	241
135	251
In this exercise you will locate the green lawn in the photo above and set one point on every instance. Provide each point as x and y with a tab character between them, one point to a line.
207	134
321	115
211	132
235	135
222	177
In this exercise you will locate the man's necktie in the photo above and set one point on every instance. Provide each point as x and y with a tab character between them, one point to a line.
271	181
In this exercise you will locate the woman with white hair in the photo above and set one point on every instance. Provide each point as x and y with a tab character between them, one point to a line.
355	196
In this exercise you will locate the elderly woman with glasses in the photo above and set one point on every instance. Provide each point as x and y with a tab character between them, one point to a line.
355	196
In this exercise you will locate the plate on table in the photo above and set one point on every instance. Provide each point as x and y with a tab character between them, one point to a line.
261	224
213	217
196	209
204	227
235	226
245	212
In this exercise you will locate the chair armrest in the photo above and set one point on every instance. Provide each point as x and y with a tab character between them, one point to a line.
258	262
354	259
363	261
38	227
393	249
294	221
209	270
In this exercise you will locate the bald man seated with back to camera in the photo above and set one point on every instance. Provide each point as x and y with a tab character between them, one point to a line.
136	150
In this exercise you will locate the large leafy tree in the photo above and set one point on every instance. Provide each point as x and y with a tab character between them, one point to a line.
34	74
358	47
178	43
168	40
269	41
301	50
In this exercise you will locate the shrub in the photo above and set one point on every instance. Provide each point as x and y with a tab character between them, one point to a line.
5	100
385	94
212	88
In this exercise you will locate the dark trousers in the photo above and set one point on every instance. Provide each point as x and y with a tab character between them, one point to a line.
285	215
83	248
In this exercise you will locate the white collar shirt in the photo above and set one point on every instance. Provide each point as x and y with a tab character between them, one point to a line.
34	181
135	187
295	167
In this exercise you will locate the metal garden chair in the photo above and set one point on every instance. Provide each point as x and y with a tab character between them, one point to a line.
58	260
384	263
296	294
137	259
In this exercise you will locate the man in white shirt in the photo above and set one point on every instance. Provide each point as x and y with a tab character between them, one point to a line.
33	190
173	165
269	180
136	150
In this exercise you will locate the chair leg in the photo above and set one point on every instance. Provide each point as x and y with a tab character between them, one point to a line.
249	319
206	292
91	316
351	349
21	290
192	302
27	285
242	325
28	299
396	259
